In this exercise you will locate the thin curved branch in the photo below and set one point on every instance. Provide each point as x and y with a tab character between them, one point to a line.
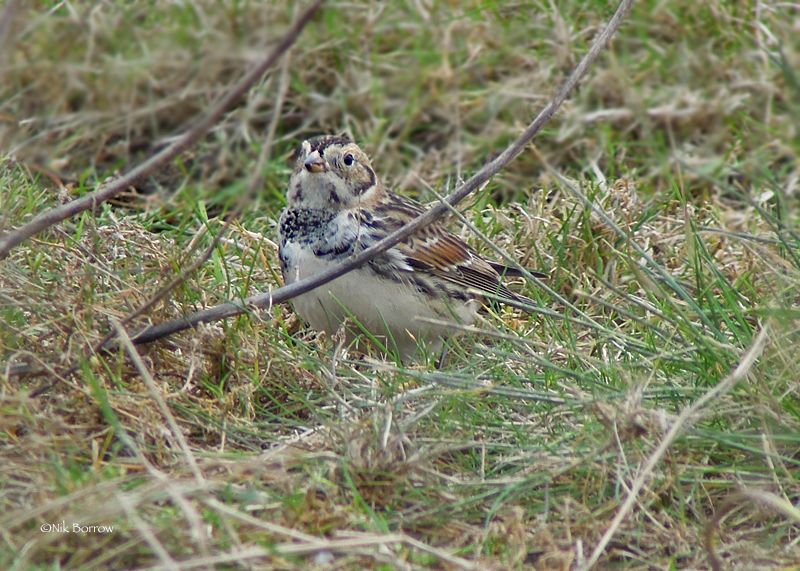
107	191
255	182
285	293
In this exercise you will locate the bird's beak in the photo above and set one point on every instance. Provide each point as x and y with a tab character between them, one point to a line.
315	163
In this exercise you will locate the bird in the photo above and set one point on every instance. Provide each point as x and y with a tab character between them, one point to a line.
337	207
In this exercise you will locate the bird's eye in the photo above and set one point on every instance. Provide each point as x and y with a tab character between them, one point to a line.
349	159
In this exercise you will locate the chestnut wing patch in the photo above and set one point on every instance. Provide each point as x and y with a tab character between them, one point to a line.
435	251
443	255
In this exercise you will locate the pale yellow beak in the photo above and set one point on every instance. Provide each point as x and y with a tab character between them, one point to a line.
315	163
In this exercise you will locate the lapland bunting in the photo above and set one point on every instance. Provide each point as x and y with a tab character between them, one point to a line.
336	207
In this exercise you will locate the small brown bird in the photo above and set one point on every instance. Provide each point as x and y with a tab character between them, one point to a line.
337	207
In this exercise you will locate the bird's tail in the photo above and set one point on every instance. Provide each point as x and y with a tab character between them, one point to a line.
510	272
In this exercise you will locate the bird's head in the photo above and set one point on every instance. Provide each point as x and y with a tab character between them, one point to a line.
331	172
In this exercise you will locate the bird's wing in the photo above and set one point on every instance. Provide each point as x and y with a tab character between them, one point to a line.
436	251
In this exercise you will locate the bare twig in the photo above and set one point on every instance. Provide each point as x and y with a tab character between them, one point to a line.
285	293
107	191
686	419
163	292
255	182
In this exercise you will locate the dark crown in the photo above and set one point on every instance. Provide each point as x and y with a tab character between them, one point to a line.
320	143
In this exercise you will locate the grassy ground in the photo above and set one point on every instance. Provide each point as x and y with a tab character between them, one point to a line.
296	454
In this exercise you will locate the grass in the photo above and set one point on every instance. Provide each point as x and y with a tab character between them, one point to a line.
662	201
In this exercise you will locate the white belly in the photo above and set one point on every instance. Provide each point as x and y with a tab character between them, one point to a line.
387	309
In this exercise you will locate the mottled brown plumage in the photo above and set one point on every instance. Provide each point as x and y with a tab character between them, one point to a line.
338	206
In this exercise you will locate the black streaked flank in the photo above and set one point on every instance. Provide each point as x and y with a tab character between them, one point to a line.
385	268
282	258
335	250
366	217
